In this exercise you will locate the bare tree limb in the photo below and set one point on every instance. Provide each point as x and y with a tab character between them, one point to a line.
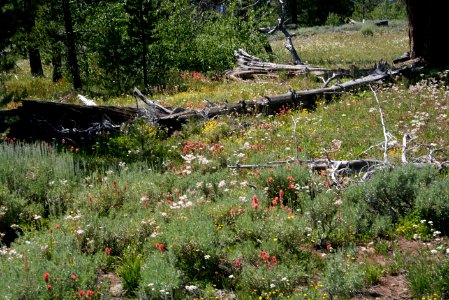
150	103
382	119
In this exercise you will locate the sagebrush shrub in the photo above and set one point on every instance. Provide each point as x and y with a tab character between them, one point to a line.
433	204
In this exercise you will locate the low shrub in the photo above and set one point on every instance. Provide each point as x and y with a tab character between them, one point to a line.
433	204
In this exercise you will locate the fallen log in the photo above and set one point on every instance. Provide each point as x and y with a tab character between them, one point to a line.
249	66
49	121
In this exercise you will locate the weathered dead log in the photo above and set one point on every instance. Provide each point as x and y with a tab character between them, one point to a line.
50	121
355	166
270	104
37	120
159	109
250	66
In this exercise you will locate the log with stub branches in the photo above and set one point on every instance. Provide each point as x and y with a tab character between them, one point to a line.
41	120
250	66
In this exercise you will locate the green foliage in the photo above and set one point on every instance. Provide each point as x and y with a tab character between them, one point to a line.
334	19
129	270
375	10
51	251
321	213
137	141
205	42
389	10
343	276
159	277
392	193
373	273
367	30
11	207
428	277
275	281
433	204
413	227
292	186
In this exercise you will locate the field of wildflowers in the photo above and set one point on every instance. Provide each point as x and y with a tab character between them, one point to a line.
165	218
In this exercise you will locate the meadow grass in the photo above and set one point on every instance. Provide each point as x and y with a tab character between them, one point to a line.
188	227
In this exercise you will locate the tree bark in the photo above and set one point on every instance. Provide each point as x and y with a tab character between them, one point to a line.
56	61
71	48
427	31
35	61
33	51
292	6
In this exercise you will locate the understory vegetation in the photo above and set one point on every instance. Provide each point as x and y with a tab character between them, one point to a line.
147	215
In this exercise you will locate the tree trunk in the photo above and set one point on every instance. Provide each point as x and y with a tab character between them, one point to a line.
56	61
427	29
71	49
33	52
35	61
292	6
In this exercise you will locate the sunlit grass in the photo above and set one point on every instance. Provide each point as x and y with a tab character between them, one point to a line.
346	48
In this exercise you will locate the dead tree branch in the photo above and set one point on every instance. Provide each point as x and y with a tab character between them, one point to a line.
384	128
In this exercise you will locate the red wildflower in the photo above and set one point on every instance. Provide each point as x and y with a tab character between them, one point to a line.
238	263
73	277
107	250
274	260
329	246
264	255
89	293
48	287
290	178
46	276
255	202
161	247
275	201
58	226
232	212
196	75
270	180
81	293
281	194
